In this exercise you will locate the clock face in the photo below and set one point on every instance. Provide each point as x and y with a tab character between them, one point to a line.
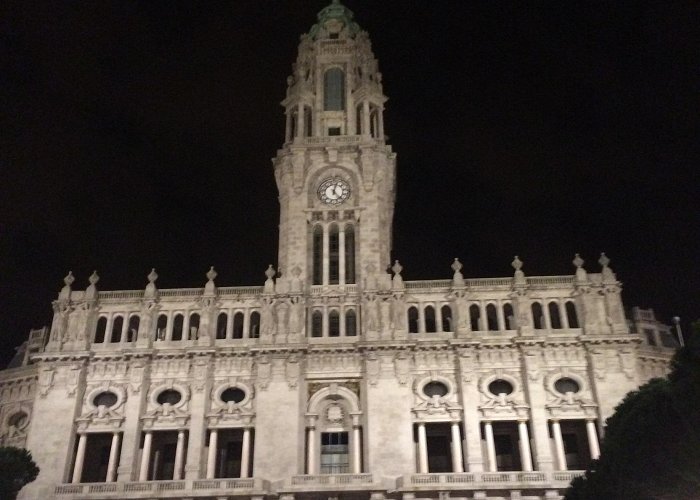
334	191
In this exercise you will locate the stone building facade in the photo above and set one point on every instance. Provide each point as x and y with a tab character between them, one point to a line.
334	378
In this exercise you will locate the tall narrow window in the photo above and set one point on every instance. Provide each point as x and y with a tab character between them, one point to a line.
221	321
474	317
334	90
554	315
509	317
316	324
177	327
537	317
334	324
446	313
350	323
238	325
412	319
307	121
101	330
571	315
194	326
318	255
349	254
133	328
161	327
491	317
334	255
254	331
430	319
117	325
358	120
335	456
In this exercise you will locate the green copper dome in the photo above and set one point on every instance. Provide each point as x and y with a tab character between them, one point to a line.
339	13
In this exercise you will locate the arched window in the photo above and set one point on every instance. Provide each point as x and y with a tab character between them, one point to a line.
238	325
554	315
317	255
571	315
221	321
307	121
117	325
133	329
509	316
475	317
492	319
349	254
101	330
178	321
254	331
446	312
537	318
430	326
334	90
161	327
374	122
350	323
316	324
412	319
194	326
334	324
334	255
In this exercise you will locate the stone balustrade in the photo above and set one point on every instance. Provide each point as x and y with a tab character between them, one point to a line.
166	489
487	480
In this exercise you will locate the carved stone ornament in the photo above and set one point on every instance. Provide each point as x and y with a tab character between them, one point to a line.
263	371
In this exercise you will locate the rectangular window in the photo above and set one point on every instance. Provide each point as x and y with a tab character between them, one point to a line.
334	131
335	457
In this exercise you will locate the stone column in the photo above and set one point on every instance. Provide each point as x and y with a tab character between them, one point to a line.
457	460
245	452
211	454
300	120
525	455
421	319
490	447
79	459
422	449
438	318
113	454
593	444
380	115
341	254
229	324
499	316
197	435
559	445
179	455
311	450
483	318
145	455
563	316
356	449
365	118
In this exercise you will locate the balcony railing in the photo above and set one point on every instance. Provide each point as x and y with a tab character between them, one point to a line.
331	481
194	488
487	480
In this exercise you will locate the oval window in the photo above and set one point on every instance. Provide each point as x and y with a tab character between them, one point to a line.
566	384
233	394
18	420
500	386
170	396
106	399
435	389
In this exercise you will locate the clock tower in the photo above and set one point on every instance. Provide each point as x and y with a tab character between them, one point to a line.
335	173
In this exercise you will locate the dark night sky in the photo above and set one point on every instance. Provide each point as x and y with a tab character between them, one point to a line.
139	134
